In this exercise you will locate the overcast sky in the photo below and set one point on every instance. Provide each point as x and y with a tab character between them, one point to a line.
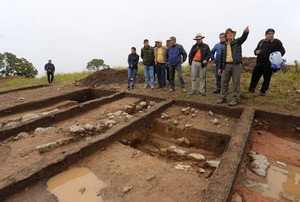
73	32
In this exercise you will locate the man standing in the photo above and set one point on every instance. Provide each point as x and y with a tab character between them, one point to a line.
217	51
50	69
133	60
175	56
198	58
263	66
231	65
147	54
167	66
160	63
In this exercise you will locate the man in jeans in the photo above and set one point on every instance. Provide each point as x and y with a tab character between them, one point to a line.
231	65
147	54
133	60
160	62
50	69
217	51
263	66
175	56
198	58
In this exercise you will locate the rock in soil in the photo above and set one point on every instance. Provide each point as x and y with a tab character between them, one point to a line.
164	116
21	135
182	167
258	164
76	130
195	156
129	109
216	121
46	147
40	130
173	151
213	163
256	185
28	117
127	189
184	140
143	104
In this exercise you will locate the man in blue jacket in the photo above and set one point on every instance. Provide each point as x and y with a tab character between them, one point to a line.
50	69
175	56
216	51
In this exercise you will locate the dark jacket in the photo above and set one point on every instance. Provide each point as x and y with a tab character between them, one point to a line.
147	54
268	47
236	49
205	52
49	67
175	55
133	60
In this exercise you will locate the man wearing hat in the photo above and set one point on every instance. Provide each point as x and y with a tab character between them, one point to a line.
263	66
175	56
160	62
198	58
231	65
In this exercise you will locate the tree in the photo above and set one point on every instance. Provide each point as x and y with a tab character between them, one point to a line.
10	65
96	64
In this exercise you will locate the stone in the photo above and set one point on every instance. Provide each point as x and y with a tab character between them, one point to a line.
110	114
213	163
64	141
258	164
297	128
164	116
50	112
76	130
11	124
28	117
256	185
100	127
175	122
118	113
186	110
46	147
173	151
184	140
111	117
40	130
129	109
143	104
188	125
124	114
151	177
281	164
128	116
108	122
15	119
151	148
210	113
21	135
21	98
152	103
298	91
236	198
88	127
216	121
196	156
139	107
127	189
148	106
182	167
201	170
226	119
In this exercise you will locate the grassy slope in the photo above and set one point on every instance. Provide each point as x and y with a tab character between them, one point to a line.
277	95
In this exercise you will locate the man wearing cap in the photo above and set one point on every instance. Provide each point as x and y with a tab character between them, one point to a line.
147	54
263	66
231	65
160	62
175	56
217	51
198	58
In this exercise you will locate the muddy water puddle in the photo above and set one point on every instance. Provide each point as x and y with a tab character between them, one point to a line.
76	184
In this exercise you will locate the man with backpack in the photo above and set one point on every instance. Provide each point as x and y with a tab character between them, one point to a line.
263	66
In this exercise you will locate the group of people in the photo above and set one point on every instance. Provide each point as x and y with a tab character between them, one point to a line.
227	55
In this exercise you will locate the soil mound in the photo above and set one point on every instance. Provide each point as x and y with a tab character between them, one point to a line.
107	76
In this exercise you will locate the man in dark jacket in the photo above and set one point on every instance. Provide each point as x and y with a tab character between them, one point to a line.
217	51
198	58
263	66
175	56
133	60
50	69
147	54
231	65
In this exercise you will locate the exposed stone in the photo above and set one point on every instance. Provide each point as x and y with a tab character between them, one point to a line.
21	135
100	127
210	113
28	117
151	177
11	124
151	148
50	112
127	189
256	185
164	116
129	109
152	103
15	119
88	127
297	128
281	164
110	114
175	122
46	147
186	110
124	114
236	198
76	130
184	140
182	167
128	116
173	151
111	117
118	113
195	156
258	163
21	98
143	104
298	91
40	130
201	170
64	141
213	163
82	190
216	121
139	107
188	125
1	125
